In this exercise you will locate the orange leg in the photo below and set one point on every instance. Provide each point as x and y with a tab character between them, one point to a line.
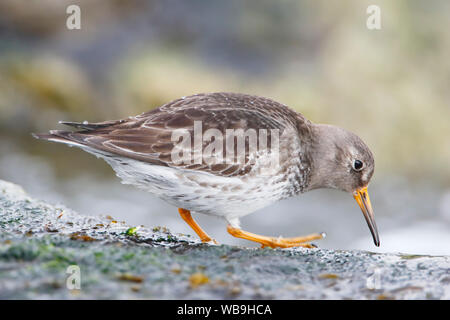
275	242
186	215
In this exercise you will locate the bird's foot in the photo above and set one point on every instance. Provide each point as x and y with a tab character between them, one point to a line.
276	242
209	240
204	237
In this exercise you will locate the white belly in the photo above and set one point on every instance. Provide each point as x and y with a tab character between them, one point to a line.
200	192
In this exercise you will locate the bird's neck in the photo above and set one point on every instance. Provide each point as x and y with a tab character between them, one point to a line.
323	155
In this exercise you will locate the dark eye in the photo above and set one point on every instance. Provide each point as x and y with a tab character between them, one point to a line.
357	165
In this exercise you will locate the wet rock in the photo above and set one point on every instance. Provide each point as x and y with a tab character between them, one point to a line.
51	252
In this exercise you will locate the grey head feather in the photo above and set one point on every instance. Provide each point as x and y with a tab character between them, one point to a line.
334	151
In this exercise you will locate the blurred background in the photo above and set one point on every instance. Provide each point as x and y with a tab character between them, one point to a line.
390	86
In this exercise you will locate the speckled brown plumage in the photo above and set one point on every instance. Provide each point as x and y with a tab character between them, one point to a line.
148	136
311	156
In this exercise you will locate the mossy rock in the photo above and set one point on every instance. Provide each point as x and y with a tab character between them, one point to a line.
43	246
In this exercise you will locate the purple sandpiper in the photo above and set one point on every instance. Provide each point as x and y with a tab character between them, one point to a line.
226	172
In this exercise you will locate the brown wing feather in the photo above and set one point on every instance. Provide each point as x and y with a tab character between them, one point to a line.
148	137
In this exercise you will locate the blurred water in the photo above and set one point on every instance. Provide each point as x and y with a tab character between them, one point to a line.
411	219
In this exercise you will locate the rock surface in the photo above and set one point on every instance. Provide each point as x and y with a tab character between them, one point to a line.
39	242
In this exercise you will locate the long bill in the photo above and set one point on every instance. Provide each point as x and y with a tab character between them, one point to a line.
362	197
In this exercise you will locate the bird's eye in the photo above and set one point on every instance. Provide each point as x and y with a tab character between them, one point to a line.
357	165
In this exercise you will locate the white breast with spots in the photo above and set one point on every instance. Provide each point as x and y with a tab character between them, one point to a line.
202	192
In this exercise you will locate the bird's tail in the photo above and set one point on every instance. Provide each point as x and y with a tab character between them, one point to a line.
74	138
60	136
90	126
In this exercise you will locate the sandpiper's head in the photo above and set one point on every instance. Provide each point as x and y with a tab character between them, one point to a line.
341	160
